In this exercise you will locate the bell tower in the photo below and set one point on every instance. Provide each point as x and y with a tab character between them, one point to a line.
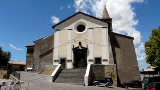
106	18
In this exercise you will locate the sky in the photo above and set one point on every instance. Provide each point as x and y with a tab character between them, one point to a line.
24	21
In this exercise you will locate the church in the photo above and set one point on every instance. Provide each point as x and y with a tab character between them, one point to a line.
80	41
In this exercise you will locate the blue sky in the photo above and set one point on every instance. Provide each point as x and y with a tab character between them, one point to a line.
23	21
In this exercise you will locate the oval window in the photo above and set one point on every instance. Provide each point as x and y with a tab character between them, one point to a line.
81	28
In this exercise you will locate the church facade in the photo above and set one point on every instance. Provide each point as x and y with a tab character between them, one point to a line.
82	39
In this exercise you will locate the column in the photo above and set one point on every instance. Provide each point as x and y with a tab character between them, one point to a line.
55	49
69	50
90	57
105	46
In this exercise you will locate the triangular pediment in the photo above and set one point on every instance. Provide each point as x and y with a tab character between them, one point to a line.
79	15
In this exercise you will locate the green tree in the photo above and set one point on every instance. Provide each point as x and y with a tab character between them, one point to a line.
4	58
152	48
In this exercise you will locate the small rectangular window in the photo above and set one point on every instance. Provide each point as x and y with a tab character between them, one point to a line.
56	60
63	62
97	60
69	60
90	60
105	60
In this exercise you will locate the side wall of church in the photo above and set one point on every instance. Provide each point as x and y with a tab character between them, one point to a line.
36	53
125	58
42	55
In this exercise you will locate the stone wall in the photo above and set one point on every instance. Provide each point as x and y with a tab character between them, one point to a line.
125	58
48	70
105	71
29	56
42	54
3	74
29	60
6	84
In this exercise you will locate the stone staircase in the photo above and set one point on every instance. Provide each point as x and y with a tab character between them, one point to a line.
72	76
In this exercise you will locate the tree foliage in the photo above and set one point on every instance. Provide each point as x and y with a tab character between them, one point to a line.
152	48
4	58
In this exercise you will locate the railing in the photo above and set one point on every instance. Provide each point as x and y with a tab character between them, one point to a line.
56	72
16	74
11	77
88	76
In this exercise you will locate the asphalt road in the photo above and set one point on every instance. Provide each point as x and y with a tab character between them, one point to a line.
33	81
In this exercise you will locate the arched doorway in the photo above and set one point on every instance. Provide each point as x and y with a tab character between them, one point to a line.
80	56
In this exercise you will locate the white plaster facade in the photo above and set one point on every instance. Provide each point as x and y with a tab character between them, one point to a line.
94	38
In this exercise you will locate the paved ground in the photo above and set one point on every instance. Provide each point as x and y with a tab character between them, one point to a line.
33	81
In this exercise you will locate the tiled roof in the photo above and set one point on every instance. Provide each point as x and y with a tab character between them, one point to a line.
17	62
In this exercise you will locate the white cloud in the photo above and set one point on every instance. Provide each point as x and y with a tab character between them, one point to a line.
140	51
81	5
120	10
15	48
123	15
55	19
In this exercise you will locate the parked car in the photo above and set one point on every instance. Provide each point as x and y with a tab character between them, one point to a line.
133	84
153	86
106	82
151	83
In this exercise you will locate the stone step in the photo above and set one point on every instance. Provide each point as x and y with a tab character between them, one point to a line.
74	70
73	76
